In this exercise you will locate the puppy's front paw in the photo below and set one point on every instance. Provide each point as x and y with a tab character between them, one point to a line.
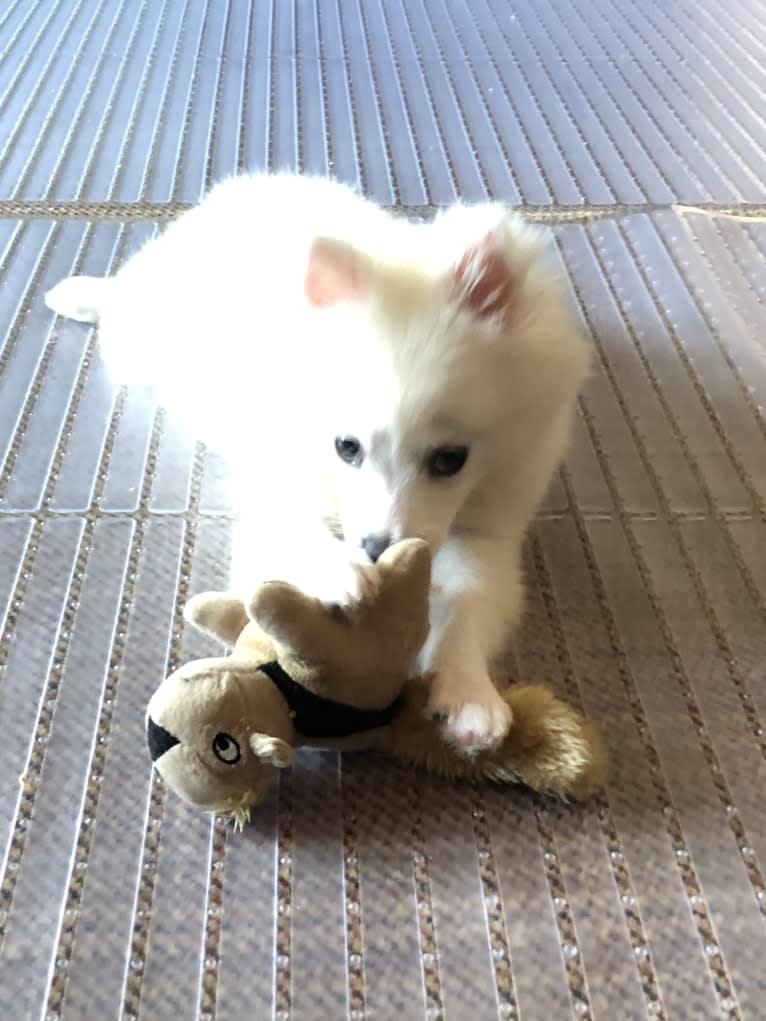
474	716
78	298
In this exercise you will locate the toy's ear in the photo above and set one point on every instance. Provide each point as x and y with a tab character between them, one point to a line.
272	750
218	614
406	570
294	620
397	620
336	272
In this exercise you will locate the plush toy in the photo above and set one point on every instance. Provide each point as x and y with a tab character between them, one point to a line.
306	673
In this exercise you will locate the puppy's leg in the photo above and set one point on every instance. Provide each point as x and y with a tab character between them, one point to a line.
475	602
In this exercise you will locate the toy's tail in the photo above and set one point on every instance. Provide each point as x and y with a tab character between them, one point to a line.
80	298
551	747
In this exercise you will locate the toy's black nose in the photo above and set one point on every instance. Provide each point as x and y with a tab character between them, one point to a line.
375	544
160	740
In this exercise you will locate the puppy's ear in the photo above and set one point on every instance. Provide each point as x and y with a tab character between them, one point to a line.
484	279
493	250
336	272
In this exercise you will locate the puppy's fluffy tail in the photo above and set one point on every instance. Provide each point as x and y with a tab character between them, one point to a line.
551	747
80	298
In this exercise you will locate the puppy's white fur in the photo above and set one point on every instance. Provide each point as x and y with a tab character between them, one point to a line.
285	311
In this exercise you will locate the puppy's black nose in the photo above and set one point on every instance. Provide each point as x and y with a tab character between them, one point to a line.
160	740
375	544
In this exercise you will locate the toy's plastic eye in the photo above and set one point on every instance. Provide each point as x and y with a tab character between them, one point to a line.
226	749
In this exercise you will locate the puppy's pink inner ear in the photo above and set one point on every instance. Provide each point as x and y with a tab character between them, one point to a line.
485	280
334	273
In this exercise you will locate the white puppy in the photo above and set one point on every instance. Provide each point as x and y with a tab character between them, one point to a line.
397	379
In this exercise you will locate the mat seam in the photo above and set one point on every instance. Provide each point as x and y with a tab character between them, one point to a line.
554	212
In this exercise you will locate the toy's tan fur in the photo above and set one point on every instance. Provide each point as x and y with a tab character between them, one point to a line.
363	657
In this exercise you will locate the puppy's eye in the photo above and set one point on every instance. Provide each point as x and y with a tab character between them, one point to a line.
446	461
349	449
226	749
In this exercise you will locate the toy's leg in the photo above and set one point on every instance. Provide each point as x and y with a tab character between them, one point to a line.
476	601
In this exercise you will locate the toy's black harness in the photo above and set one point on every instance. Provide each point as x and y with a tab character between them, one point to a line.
319	717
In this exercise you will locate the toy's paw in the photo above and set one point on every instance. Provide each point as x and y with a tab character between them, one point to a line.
474	718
